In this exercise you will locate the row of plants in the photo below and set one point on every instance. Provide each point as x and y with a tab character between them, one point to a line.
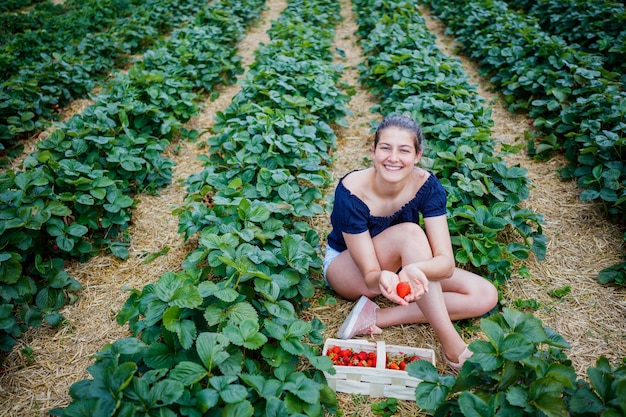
16	5
74	195
223	336
50	28
520	368
44	17
578	107
72	51
17	17
409	74
596	27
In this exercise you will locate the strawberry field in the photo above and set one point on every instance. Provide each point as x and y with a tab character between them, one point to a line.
161	246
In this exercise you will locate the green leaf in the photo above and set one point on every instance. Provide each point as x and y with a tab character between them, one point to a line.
228	295
206	399
64	243
159	356
10	267
516	347
304	388
129	346
245	333
525	324
211	348
275	407
76	229
486	355
166	392
430	396
585	401
58	209
185	329
546	396
241	311
493	331
267	388
177	291
108	383
473	406
238	409
188	373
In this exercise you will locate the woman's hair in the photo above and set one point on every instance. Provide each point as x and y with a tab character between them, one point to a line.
404	123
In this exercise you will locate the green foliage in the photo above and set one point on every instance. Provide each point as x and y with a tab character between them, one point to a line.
595	27
223	336
520	369
59	53
577	103
613	274
74	195
386	408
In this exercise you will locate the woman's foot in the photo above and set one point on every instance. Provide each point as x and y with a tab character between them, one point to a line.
456	366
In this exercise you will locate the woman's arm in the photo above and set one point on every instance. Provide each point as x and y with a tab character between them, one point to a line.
441	265
362	250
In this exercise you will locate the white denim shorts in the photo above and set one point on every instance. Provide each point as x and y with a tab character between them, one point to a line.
329	257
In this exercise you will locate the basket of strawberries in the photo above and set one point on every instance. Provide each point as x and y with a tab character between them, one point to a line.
373	368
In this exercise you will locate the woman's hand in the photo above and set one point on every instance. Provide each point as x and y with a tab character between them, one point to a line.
416	279
387	284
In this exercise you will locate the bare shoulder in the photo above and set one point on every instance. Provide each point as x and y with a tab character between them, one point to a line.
356	180
420	176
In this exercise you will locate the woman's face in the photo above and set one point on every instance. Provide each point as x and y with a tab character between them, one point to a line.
395	154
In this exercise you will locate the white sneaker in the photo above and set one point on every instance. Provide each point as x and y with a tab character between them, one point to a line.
361	320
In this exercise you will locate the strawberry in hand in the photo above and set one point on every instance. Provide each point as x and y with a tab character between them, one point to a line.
403	289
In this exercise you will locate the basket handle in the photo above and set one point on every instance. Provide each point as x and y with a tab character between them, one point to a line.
381	355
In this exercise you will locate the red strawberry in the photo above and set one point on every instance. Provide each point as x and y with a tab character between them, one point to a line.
403	289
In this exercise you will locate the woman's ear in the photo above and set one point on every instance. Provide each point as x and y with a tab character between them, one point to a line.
373	148
418	156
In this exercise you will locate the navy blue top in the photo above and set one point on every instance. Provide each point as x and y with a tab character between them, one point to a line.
351	215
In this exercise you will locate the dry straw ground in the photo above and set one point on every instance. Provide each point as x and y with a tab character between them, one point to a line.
591	317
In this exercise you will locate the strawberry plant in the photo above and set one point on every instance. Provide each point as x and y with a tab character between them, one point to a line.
70	53
521	369
578	105
73	197
223	335
597	27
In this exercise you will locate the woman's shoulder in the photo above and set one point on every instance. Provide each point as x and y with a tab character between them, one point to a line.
353	181
427	185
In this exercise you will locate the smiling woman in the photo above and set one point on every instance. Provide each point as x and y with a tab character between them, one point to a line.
377	243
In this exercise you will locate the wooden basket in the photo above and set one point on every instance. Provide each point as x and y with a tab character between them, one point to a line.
375	382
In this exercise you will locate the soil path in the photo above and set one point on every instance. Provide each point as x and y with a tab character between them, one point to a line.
590	317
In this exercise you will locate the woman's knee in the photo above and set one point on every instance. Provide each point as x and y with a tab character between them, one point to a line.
488	295
411	233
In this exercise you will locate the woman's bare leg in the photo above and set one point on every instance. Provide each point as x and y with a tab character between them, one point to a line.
463	295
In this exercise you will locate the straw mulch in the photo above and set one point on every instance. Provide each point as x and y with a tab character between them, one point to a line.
591	317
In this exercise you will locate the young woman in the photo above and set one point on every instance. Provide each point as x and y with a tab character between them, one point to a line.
377	241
